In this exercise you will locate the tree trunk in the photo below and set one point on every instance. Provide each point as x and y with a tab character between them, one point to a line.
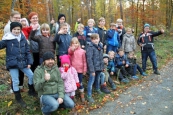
12	5
121	9
47	11
136	28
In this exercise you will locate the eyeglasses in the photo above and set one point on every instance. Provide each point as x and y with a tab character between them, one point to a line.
16	17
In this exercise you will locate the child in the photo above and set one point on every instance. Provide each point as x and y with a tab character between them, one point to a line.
69	76
45	41
78	61
113	40
129	43
63	40
122	63
134	65
18	57
113	70
94	54
90	29
26	29
80	35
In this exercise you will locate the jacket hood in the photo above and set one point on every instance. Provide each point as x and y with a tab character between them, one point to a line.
10	36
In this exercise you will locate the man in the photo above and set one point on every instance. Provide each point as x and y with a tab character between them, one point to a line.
146	42
50	86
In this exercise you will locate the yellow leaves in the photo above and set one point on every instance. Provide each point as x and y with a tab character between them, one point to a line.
9	103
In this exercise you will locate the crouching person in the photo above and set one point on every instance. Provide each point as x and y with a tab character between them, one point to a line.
50	86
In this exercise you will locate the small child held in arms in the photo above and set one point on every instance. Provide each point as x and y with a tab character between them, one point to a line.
134	65
69	76
80	35
94	54
78	61
129	42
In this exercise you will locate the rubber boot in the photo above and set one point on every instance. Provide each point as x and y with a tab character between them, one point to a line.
31	91
82	96
19	99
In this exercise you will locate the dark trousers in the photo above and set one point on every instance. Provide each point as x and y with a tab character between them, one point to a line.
36	62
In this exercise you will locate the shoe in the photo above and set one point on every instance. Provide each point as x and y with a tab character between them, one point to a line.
90	99
113	86
31	91
99	92
156	72
125	80
105	90
134	77
144	74
82	97
19	99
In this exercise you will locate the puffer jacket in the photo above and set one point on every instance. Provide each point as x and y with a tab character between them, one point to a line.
45	43
88	32
78	59
119	60
63	41
70	79
113	38
17	53
94	55
129	43
53	86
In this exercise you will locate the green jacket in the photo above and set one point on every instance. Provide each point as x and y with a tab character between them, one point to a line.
53	86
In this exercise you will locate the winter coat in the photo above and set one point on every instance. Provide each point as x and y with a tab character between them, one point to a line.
113	38
106	73
111	66
88	32
63	41
102	34
129	43
78	59
7	27
119	60
81	38
17	53
26	31
132	60
45	43
94	55
53	86
147	41
70	79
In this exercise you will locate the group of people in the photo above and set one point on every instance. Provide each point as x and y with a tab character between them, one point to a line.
95	51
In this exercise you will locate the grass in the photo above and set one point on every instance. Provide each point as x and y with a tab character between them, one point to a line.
163	47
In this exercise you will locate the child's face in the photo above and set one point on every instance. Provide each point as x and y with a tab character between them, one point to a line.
65	65
45	31
95	41
75	44
34	19
119	24
64	29
90	24
105	60
129	32
23	22
16	31
111	56
102	23
121	53
113	27
130	55
62	20
79	29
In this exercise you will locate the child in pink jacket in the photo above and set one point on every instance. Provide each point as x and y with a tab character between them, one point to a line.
69	76
78	61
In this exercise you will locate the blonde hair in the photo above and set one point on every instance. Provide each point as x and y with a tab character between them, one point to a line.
74	40
91	20
94	36
63	24
128	29
119	20
111	52
101	19
81	25
44	26
14	13
131	53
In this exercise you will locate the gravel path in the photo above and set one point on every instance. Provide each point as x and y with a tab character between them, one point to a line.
153	97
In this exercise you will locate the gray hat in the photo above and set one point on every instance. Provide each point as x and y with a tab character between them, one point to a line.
105	56
48	55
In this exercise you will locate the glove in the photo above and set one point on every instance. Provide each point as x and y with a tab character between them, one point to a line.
66	69
78	85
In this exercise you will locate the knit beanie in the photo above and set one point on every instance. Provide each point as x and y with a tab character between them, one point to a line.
48	55
15	24
146	25
105	56
24	19
60	16
65	59
32	14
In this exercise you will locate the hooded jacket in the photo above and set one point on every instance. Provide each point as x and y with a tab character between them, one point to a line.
113	38
129	43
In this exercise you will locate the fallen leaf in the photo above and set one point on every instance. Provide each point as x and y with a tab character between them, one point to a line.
143	103
166	107
9	103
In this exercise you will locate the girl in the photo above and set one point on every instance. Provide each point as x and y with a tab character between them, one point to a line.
45	41
129	43
78	61
69	76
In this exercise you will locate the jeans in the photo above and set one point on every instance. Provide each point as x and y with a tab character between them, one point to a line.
152	57
137	67
95	78
49	103
15	77
80	76
111	48
102	78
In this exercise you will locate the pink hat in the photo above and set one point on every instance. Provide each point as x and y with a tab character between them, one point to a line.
65	59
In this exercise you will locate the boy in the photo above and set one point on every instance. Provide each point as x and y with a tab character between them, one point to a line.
113	40
146	42
94	54
63	39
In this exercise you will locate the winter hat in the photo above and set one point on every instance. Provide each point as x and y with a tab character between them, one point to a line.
48	55
65	59
146	25
60	16
105	56
15	24
24	19
32	14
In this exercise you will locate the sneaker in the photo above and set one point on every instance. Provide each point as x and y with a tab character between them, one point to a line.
113	86
90	99
134	77
144	74
156	72
105	90
99	92
125	80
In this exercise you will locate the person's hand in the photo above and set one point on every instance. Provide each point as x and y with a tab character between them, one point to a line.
162	30
93	74
78	85
60	100
126	65
112	73
140	44
46	76
73	47
29	66
83	46
61	32
79	20
35	26
123	62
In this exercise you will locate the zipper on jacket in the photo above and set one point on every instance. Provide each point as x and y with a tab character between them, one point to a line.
12	47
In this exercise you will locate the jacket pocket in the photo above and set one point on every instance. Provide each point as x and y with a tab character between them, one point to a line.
11	61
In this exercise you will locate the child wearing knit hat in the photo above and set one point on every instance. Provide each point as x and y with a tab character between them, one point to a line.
69	76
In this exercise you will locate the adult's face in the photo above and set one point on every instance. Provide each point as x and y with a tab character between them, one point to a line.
49	63
15	18
34	19
146	29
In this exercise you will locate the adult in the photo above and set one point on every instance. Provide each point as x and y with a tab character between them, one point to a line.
146	42
33	18
50	86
